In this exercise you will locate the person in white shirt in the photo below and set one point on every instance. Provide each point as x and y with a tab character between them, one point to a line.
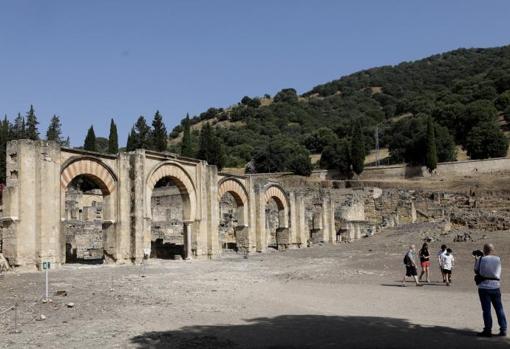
441	252
448	262
488	275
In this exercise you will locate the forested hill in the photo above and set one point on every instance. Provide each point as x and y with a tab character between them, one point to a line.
466	92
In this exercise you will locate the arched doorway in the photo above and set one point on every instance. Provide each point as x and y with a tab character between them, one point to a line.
233	220
88	212
170	211
276	217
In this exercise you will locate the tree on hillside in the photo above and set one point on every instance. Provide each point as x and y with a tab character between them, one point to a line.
131	140
357	149
319	139
407	141
142	135
54	132
282	154
113	139
211	147
288	95
159	134
18	128
486	140
506	114
186	144
337	157
503	100
431	151
31	131
90	140
4	138
102	145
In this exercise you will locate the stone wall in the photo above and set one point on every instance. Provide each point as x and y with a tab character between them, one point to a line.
445	169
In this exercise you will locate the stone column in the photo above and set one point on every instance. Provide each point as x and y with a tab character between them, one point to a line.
187	239
293	219
138	202
332	220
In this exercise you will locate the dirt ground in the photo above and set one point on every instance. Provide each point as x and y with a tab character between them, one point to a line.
342	296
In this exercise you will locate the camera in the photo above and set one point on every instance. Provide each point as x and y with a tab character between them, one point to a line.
477	253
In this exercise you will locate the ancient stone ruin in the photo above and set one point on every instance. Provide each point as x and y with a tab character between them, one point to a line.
71	206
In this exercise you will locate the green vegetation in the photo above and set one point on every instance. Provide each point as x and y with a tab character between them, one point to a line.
210	147
90	140
357	149
159	134
113	139
431	153
459	90
187	146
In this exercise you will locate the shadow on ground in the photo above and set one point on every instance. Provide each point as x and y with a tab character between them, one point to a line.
315	331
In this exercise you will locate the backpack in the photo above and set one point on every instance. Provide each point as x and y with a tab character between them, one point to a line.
407	260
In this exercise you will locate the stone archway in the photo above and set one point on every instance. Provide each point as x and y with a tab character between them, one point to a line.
276	207
180	178
233	227
88	218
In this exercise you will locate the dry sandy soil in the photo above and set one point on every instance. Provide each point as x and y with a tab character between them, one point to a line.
343	296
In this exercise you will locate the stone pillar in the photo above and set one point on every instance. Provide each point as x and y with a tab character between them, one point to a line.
332	225
123	223
213	207
260	220
252	214
304	234
138	222
293	233
187	239
31	217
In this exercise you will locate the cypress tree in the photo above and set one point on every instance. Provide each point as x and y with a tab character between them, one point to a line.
17	131
131	140
31	131
431	151
357	149
113	139
159	134
142	134
4	138
204	142
211	147
90	140
186	145
54	132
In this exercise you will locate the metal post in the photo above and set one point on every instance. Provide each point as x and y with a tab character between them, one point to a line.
377	146
46	275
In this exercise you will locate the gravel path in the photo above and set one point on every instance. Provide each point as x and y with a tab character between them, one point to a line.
346	295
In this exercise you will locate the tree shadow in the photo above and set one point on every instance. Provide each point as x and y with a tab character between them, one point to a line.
317	331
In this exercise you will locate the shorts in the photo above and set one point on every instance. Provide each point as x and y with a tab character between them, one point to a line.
411	271
425	264
447	271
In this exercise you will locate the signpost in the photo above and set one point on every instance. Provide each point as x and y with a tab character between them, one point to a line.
46	266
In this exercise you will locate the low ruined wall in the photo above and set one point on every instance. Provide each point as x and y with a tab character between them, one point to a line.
445	169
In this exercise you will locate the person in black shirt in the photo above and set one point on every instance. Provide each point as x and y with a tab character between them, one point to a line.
425	262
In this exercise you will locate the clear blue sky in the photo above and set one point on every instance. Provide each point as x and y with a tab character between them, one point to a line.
89	61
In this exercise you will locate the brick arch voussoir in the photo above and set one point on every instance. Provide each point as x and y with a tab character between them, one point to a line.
234	187
95	169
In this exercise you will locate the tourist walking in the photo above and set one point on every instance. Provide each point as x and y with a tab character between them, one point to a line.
487	277
424	262
441	252
448	262
410	264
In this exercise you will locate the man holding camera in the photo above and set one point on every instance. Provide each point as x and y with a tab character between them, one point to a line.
487	277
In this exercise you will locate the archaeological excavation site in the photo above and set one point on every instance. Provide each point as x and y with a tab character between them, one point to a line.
67	206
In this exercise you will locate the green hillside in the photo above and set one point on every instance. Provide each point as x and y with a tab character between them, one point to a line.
466	92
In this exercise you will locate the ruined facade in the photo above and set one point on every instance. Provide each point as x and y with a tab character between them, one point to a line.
143	202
